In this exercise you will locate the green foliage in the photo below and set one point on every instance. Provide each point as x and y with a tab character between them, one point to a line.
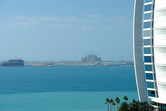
133	101
124	107
133	106
107	100
144	106
111	100
136	106
117	100
113	103
125	98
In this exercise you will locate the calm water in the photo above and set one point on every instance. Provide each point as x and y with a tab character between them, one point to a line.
64	88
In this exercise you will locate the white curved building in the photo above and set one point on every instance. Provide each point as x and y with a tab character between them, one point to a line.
149	46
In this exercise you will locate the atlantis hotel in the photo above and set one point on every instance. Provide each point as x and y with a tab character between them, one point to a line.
149	47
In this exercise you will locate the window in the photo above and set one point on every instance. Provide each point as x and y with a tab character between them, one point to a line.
147	24
147	50
164	107
149	76
148	67
147	33
151	93
147	59
148	7
147	41
146	1
147	16
150	84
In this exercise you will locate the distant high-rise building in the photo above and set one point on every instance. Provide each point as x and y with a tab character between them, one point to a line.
91	58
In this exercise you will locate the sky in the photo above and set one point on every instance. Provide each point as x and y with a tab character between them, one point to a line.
66	30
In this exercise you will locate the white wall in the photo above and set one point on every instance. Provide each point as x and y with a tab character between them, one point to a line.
160	46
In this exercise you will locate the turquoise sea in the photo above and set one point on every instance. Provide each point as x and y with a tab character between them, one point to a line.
64	88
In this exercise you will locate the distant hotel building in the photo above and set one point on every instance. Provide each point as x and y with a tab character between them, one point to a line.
91	58
149	44
14	62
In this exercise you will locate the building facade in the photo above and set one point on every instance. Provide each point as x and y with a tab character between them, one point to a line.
149	47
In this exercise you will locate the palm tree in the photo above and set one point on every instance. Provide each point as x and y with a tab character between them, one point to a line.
117	101
133	101
125	98
113	103
110	101
106	102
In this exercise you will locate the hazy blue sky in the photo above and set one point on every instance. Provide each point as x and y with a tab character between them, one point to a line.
66	29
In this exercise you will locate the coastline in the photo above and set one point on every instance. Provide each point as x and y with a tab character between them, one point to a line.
73	64
76	64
